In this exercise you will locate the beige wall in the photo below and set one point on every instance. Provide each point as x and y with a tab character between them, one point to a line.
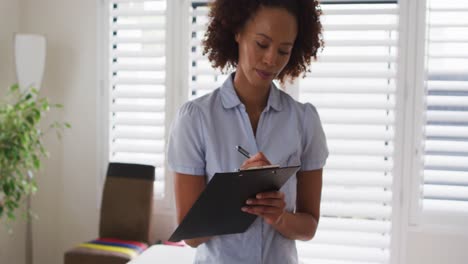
9	24
66	202
12	246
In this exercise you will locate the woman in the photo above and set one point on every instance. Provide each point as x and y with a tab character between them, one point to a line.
263	41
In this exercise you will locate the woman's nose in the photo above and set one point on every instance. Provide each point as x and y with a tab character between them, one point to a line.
269	58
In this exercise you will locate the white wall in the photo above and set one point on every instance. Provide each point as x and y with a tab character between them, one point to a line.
12	246
434	247
67	197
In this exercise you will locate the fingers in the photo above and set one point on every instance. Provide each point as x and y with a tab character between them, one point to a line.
267	198
259	156
266	203
270	195
260	210
274	198
271	215
258	159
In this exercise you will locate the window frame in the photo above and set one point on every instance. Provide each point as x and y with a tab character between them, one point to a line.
175	61
407	215
103	98
163	205
418	219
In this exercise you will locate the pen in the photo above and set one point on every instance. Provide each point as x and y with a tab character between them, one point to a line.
243	151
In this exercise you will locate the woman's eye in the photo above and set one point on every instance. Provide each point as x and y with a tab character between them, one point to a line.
261	45
283	52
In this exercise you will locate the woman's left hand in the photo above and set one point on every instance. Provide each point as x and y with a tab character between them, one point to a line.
268	205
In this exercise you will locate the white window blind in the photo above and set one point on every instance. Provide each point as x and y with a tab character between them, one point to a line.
353	86
137	84
445	137
203	78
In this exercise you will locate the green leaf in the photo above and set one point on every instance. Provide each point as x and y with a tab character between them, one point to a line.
6	189
45	106
21	145
37	114
17	195
11	215
37	162
14	87
30	120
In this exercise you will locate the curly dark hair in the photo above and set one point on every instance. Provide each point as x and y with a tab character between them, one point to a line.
228	17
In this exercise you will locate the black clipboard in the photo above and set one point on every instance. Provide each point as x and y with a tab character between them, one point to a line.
217	211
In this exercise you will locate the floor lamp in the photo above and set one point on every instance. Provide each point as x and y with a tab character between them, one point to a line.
30	53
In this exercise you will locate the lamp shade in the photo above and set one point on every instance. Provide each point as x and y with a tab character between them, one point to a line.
30	52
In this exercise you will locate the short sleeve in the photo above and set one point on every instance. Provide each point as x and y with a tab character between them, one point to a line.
185	149
315	150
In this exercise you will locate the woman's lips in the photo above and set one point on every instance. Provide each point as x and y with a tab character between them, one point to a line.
263	74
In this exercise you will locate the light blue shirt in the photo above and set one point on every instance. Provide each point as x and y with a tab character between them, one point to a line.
202	141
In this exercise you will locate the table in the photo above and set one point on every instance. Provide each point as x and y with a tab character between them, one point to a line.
157	254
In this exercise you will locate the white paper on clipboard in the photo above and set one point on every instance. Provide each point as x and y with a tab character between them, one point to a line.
261	167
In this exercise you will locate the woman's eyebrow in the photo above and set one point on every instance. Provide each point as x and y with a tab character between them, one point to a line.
266	36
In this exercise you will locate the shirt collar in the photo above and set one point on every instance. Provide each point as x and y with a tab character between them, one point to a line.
230	99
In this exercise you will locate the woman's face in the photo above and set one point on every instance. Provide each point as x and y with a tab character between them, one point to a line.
265	45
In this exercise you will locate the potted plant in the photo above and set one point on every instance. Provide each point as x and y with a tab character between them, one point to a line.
21	146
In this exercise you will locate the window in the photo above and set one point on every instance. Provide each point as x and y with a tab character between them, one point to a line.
353	93
137	84
444	166
203	78
353	86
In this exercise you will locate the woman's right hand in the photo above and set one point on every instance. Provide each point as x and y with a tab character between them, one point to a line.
256	160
